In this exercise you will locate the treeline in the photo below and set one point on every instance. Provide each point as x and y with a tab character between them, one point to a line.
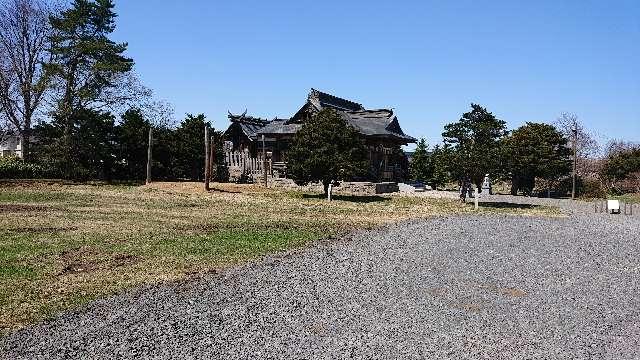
107	148
534	158
62	80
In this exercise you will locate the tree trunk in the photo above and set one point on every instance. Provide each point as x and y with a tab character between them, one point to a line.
26	143
68	146
67	115
325	185
514	186
478	184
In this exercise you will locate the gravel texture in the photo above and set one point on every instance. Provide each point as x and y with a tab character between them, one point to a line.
461	287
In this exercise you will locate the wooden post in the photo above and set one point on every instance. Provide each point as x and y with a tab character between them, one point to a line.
149	153
206	158
475	199
212	157
264	161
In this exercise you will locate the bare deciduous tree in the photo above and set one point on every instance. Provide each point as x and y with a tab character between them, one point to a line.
159	112
617	146
126	91
587	147
586	144
24	40
5	130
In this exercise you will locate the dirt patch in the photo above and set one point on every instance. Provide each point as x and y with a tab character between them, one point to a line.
85	259
124	260
438	291
318	329
513	292
39	230
79	267
16	208
469	307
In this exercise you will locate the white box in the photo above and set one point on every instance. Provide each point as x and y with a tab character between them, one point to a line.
613	206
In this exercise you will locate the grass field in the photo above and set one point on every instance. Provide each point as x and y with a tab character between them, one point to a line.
64	245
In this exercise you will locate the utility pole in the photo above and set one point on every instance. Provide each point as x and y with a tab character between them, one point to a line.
574	129
149	153
264	161
206	158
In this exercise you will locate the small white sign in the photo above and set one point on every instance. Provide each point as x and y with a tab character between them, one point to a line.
613	206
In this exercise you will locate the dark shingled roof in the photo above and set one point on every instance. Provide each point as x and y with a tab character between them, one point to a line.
321	100
380	122
249	124
375	123
371	123
279	126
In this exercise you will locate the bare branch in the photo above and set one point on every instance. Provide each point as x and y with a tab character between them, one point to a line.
159	113
586	144
24	40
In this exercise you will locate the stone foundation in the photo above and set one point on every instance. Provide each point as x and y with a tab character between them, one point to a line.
346	188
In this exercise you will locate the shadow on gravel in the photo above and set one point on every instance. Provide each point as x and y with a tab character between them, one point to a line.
351	198
506	205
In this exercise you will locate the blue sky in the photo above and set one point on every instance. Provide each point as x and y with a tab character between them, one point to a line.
523	60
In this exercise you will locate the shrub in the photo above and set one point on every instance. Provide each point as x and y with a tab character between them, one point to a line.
16	168
591	188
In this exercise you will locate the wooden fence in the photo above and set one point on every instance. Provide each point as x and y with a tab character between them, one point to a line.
241	164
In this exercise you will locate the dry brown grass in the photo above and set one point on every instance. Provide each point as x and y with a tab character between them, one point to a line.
64	245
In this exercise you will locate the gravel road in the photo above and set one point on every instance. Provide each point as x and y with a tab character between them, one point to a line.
461	287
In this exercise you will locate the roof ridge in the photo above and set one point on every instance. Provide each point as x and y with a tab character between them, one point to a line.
317	92
248	119
370	110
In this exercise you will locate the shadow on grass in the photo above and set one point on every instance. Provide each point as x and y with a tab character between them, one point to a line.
506	205
215	189
350	198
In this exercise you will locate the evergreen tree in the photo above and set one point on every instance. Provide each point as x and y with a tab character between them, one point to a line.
421	164
475	142
133	138
440	165
85	62
535	151
187	153
95	143
623	166
327	149
94	140
164	149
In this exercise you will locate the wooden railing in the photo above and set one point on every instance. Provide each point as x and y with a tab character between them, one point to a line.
242	163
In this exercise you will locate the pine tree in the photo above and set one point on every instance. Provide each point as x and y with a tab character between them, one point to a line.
475	142
325	149
85	62
536	151
421	165
440	161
